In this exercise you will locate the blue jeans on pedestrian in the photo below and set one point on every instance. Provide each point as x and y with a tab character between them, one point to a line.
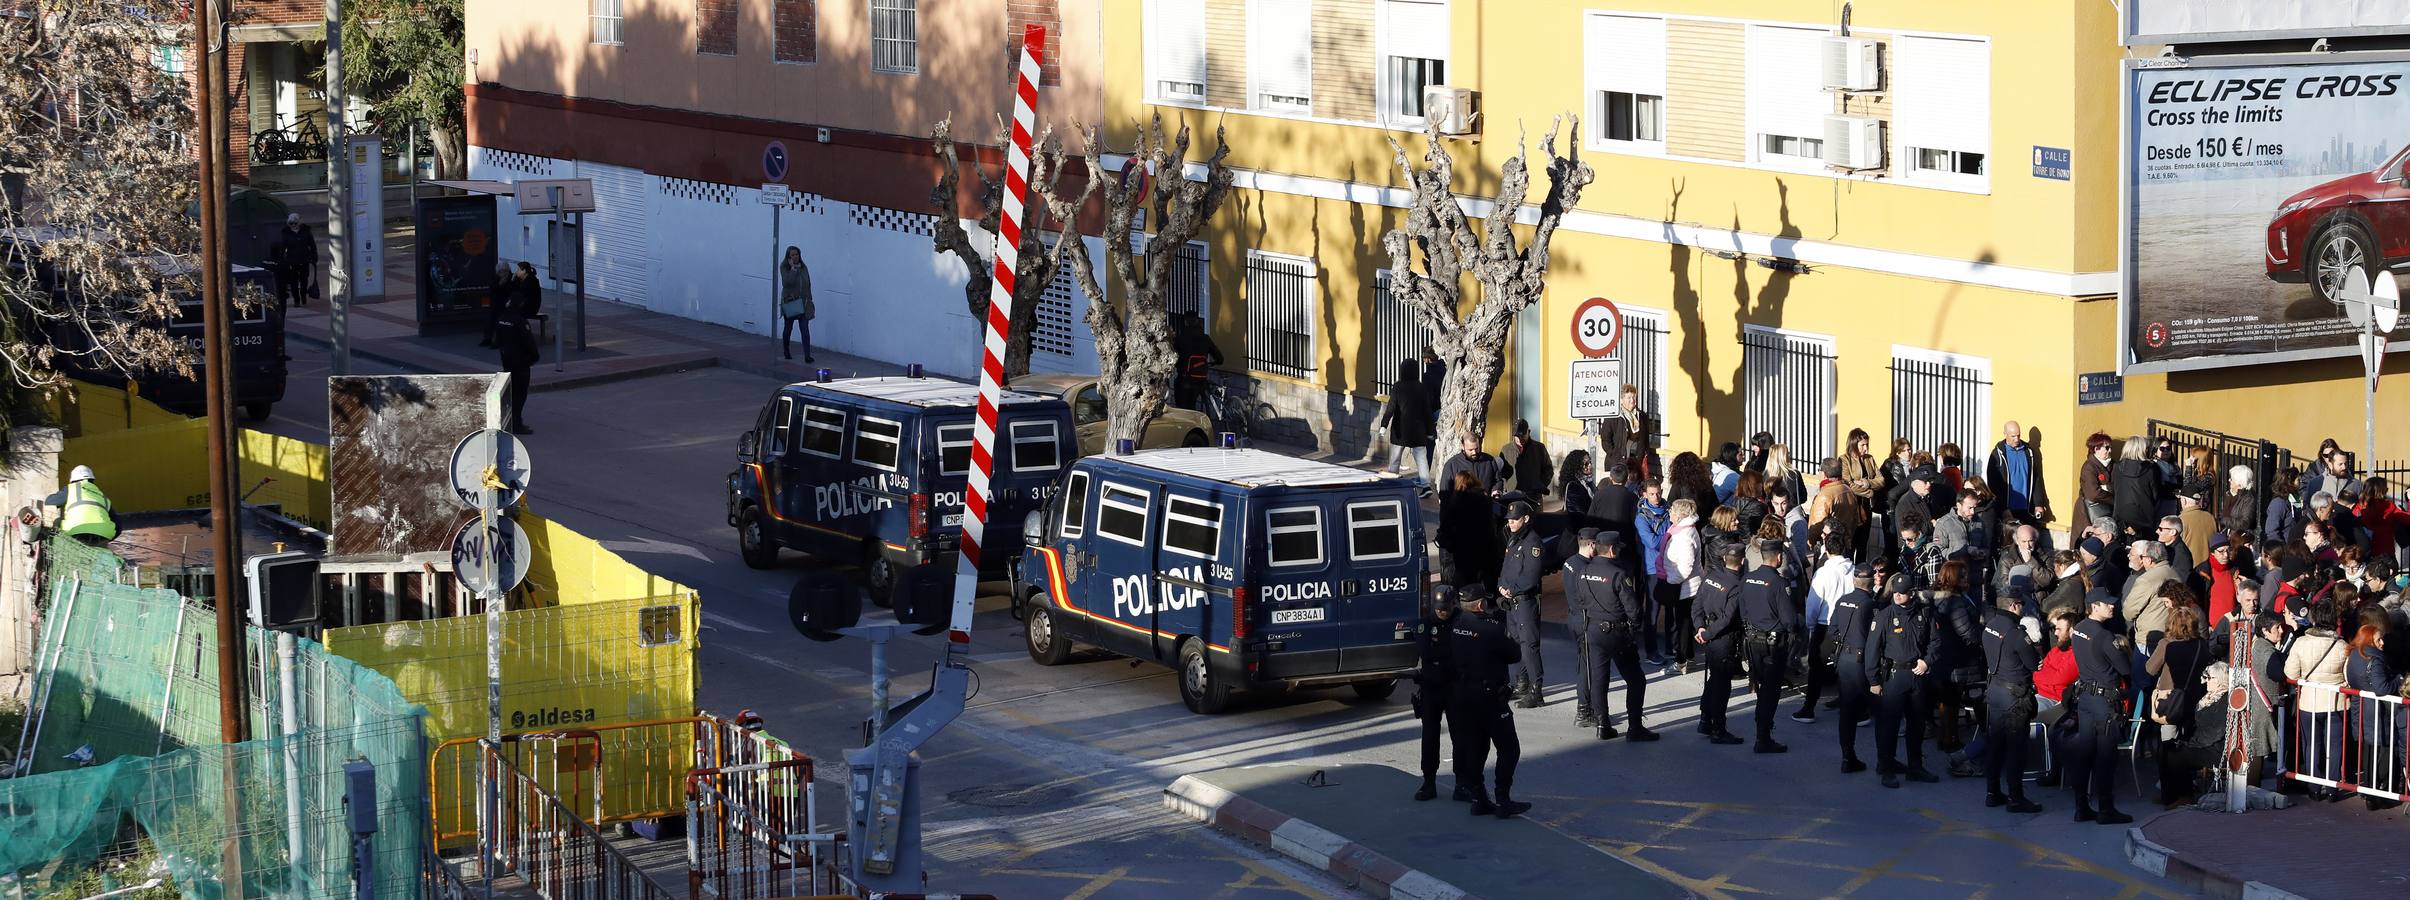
788	330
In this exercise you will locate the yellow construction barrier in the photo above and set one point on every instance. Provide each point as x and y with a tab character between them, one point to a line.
99	409
565	668
570	569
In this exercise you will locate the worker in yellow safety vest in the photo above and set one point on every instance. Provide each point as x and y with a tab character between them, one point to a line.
86	514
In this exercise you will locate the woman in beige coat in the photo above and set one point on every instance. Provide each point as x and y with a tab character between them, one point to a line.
2316	663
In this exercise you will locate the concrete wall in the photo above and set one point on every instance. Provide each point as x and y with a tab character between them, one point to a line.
32	474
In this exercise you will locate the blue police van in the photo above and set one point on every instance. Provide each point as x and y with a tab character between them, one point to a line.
874	470
1241	569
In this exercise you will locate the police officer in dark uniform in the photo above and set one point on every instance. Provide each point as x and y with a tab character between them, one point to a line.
1577	607
1435	685
1717	609
1480	716
1612	611
1846	644
2009	659
1519	592
2103	658
1767	620
1899	662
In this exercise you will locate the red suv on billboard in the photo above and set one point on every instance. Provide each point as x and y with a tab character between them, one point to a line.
2356	222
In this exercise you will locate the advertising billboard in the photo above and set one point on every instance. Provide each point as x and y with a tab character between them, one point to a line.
2250	189
2209	21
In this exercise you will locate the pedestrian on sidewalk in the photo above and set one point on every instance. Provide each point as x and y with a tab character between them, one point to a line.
1519	574
1435	687
1611	619
295	259
1903	648
2100	664
2010	660
1767	621
1845	643
1196	355
1717	607
1481	653
1408	422
498	299
795	309
517	343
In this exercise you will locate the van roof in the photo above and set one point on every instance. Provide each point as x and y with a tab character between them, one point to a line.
925	393
1246	468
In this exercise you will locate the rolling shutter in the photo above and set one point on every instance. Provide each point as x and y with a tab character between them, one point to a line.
1415	28
1786	81
1941	94
1624	53
1283	56
1178	33
619	255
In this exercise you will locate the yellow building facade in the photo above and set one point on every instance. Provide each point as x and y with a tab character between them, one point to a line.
1958	273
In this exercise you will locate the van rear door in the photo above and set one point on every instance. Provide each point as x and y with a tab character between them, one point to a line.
1380	594
1030	456
1296	601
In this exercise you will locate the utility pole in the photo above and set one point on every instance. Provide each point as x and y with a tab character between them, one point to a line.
338	199
209	90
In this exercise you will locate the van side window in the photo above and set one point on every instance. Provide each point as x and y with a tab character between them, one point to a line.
877	442
1376	530
823	431
953	449
1037	446
1296	536
1121	515
782	427
1192	527
1075	504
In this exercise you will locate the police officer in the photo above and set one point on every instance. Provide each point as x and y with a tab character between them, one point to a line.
1717	609
1845	644
1577	607
2103	658
1435	685
1479	714
1904	644
2009	659
1615	620
1519	592
1767	620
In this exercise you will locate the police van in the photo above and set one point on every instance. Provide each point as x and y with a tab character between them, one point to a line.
873	471
1241	569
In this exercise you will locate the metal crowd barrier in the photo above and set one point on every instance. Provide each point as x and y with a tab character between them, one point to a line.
672	746
752	831
2358	748
563	857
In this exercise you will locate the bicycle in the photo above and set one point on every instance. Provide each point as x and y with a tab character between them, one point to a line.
1231	409
294	143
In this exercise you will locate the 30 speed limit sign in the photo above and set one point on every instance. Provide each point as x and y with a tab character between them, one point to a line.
1597	326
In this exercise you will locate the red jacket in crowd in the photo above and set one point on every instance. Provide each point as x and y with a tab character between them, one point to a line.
2057	672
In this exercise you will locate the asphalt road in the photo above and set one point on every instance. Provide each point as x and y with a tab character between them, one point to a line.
1049	784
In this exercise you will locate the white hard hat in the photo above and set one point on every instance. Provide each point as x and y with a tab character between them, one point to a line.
81	473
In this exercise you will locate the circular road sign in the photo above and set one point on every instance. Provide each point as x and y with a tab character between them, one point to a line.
490	447
774	161
1597	327
1136	179
490	560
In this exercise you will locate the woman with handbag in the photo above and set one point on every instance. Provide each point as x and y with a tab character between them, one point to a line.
795	310
2177	665
2316	662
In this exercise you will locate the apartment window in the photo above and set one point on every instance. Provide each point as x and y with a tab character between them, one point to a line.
605	16
1788	379
1624	66
715	27
1414	56
1398	335
1939	398
1640	359
1941	109
895	36
797	28
1175	40
1786	102
1280	314
1280	55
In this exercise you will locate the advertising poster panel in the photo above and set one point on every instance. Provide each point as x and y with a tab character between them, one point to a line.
2206	21
2250	189
456	257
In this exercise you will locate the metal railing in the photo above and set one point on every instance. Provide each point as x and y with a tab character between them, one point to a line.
752	830
562	856
1788	385
1933	403
2263	457
1640	360
2355	747
664	747
1280	315
1397	336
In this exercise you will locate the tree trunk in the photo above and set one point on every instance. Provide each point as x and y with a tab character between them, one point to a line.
451	158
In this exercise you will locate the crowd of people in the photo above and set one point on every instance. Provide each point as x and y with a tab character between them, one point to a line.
1922	594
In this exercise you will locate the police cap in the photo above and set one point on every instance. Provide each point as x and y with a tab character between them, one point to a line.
1588	534
1864	569
1734	553
1443	599
2101	595
1608	538
1518	510
1901	583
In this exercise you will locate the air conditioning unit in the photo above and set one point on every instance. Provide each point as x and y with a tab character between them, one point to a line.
1852	64
1854	143
1453	110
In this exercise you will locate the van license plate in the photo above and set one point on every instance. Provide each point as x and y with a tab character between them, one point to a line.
1287	616
953	520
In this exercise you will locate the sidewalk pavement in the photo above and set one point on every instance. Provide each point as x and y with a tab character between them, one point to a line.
1316	816
2331	851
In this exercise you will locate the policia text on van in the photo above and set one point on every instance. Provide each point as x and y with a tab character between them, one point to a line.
873	470
1242	569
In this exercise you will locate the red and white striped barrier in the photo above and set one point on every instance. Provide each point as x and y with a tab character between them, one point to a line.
999	320
2356	748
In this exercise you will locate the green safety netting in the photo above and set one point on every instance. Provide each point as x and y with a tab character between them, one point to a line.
121	747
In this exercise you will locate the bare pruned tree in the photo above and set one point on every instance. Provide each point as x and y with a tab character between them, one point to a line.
96	243
1511	272
1134	354
1034	268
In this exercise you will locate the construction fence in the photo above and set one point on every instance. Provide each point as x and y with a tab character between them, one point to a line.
121	756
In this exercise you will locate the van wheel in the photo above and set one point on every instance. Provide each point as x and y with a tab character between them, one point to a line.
753	540
258	410
1375	690
1046	645
880	574
1195	439
1200	689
